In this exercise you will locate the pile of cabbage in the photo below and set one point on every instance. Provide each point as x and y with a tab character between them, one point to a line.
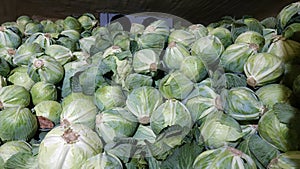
77	95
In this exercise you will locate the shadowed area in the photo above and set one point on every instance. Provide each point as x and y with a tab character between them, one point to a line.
203	12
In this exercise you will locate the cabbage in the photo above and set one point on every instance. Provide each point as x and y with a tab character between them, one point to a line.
259	150
103	161
198	30
60	53
152	41
32	28
71	69
49	109
11	148
183	156
45	68
22	160
50	26
202	101
115	123
242	103
4	67
193	68
145	61
71	23
167	140
144	133
122	40
235	56
79	111
286	49
111	51
22	21
224	157
68	147
19	76
262	69
136	29
170	113
158	27
182	37
42	39
108	97
223	34
7	54
251	37
286	15
88	21
9	38
14	96
142	101
208	48
42	91
219	129
174	55
69	39
279	127
286	160
136	80
17	123
274	93
74	96
175	85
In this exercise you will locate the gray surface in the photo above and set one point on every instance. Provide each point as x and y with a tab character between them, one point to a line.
196	11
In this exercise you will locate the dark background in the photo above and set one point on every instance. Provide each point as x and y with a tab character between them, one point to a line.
195	11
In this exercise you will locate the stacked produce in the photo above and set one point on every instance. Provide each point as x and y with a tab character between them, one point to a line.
77	95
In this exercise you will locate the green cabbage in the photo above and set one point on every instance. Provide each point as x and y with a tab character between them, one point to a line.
17	123
68	147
